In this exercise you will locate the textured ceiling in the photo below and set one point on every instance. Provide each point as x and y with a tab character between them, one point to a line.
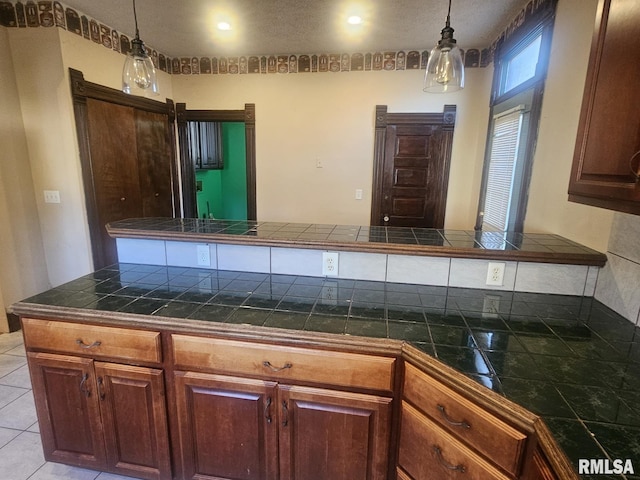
187	27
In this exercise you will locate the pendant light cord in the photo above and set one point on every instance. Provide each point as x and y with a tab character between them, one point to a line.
448	23
135	17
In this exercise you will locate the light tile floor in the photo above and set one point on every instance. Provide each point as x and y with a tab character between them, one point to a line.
21	455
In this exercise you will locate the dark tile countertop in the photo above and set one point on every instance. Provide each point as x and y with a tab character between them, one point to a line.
539	247
568	359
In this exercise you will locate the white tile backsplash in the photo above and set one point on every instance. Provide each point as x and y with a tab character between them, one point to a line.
420	270
137	250
438	271
244	258
551	278
471	273
297	261
362	266
185	254
618	286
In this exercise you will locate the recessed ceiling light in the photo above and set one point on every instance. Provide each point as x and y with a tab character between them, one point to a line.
224	26
354	20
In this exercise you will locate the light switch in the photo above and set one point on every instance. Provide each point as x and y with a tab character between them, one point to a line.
358	194
51	196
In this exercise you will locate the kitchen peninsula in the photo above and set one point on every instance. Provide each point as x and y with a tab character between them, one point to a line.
322	377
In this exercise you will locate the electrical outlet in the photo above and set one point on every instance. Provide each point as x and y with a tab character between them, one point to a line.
491	306
204	255
329	293
330	263
495	274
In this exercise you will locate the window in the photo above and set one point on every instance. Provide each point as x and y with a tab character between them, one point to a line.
205	144
518	83
521	66
503	166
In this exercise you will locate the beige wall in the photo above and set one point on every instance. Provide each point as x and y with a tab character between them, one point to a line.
549	210
22	263
301	118
329	117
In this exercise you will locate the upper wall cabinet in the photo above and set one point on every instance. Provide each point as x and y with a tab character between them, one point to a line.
606	163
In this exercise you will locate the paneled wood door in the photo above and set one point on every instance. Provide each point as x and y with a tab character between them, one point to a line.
64	390
134	416
411	171
228	427
127	150
332	435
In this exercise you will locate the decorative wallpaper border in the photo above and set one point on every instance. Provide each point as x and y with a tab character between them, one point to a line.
47	13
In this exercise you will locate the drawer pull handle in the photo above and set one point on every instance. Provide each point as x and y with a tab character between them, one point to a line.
285	414
267	363
267	414
83	385
451	422
97	343
456	468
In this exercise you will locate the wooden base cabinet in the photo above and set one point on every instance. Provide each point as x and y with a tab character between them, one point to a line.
101	415
248	429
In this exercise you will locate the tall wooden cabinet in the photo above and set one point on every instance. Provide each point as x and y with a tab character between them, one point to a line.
127	151
606	164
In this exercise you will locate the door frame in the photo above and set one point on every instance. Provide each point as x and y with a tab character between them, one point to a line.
81	90
445	120
188	183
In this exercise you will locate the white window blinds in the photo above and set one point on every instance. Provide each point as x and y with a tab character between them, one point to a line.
505	144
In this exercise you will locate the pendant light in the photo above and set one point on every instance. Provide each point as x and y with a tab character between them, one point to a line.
139	74
445	70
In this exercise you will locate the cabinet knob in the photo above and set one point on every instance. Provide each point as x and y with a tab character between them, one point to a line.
386	218
157	194
122	199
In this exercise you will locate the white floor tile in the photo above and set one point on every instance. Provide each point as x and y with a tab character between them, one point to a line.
57	471
18	351
19	414
9	363
6	435
111	476
9	394
9	341
18	378
21	457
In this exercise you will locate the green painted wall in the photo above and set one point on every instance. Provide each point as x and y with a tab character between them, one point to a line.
226	189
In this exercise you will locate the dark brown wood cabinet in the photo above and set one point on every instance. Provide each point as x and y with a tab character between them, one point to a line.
228	427
269	427
606	163
101	415
94	413
244	409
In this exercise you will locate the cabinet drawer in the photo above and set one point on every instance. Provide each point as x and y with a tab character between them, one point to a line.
469	422
284	363
92	340
427	451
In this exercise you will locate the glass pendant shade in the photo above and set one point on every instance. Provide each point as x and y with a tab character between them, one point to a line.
445	68
139	74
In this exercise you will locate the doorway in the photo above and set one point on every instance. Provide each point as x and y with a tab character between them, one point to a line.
412	154
223	185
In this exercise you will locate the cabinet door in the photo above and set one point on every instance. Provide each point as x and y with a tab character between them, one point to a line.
153	141
66	398
606	162
135	420
332	435
228	427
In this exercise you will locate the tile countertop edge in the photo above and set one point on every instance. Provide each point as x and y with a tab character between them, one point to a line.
485	397
596	260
